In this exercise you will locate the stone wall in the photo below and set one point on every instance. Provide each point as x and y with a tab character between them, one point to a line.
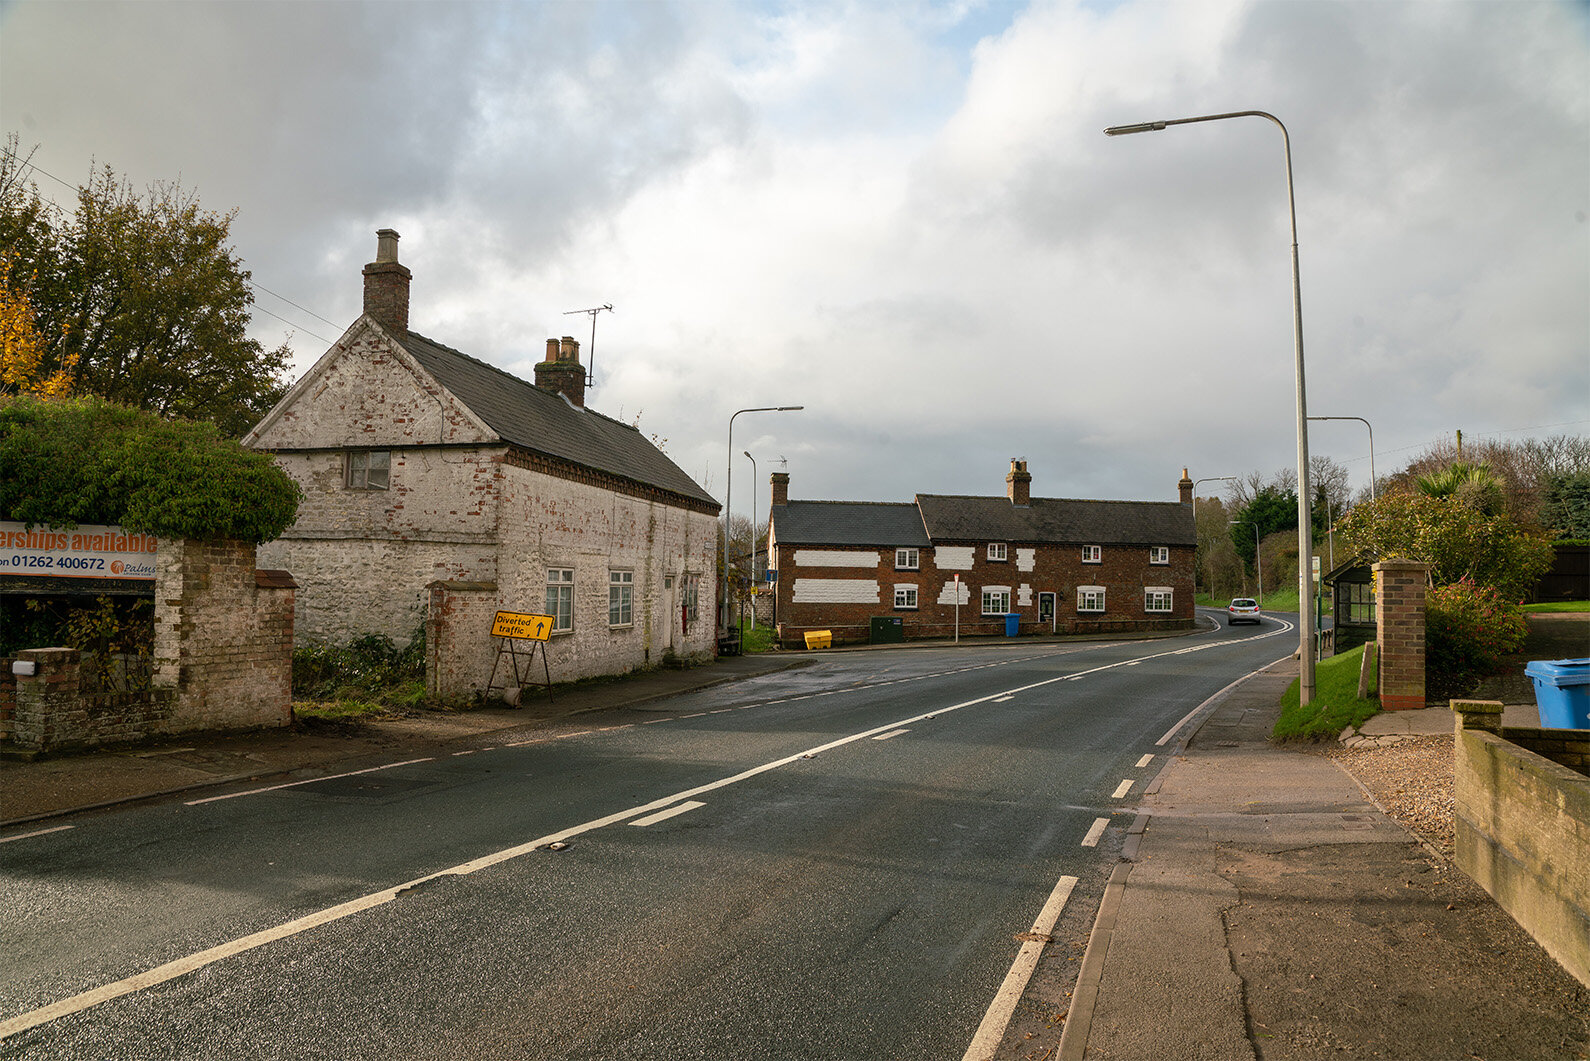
222	653
1523	831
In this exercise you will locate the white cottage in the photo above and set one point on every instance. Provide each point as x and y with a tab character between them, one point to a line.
438	489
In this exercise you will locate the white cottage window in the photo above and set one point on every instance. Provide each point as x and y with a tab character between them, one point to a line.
560	598
620	598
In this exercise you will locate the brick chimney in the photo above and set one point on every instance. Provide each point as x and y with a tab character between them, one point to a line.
562	373
780	481
1184	488
1018	484
386	285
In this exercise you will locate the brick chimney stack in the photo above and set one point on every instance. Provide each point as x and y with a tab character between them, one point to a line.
386	285
780	481
1185	488
1018	484
562	372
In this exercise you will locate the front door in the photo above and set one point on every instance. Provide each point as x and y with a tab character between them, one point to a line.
1046	610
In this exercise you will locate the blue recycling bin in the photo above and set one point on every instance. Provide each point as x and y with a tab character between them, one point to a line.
1562	692
1012	624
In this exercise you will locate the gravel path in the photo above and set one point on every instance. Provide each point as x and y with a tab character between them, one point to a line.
1412	780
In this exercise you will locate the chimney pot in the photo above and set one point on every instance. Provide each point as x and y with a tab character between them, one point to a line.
562	372
1184	488
780	481
386	285
1018	483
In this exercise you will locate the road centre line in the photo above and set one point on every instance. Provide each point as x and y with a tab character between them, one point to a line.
308	781
992	1029
182	966
1096	831
664	815
42	832
891	733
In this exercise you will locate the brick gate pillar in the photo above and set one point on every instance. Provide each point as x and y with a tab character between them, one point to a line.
1399	627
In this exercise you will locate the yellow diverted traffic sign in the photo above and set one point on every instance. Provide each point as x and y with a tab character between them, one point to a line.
522	625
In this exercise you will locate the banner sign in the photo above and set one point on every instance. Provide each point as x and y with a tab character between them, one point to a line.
83	552
522	625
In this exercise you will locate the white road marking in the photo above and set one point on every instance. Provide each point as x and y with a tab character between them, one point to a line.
992	1029
891	733
1092	839
41	832
1145	760
1122	789
664	815
1002	699
309	781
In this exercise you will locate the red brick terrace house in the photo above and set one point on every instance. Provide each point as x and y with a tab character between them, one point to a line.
1061	565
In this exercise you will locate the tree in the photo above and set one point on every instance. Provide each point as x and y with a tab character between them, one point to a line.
21	349
1565	506
1458	542
140	299
1272	509
77	461
1473	485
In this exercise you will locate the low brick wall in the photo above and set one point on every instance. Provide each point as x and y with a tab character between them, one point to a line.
1523	829
223	654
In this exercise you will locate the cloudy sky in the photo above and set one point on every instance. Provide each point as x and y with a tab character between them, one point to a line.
903	216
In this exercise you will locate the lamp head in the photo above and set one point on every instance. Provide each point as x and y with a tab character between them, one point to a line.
1140	127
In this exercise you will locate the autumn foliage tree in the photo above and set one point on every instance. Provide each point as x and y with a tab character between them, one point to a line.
138	298
22	351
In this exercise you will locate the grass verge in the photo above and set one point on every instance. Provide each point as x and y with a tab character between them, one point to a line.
1336	704
1560	606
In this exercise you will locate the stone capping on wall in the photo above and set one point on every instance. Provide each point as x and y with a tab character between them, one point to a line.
1522	826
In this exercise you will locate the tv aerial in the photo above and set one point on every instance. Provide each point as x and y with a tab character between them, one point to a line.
590	370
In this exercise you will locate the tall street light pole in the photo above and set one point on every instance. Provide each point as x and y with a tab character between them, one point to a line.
1305	530
728	496
754	572
1210	479
1366	423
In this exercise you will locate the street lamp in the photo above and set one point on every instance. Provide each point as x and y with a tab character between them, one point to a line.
728	496
1210	479
1305	539
1258	559
753	530
1366	423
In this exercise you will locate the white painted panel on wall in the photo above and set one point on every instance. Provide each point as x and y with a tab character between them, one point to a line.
954	557
1024	595
835	558
837	591
1025	559
947	594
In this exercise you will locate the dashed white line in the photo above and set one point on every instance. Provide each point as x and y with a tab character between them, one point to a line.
1145	760
40	832
663	815
1122	789
1092	839
307	781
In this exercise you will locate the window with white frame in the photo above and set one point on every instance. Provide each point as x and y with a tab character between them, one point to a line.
996	550
1157	599
368	469
905	596
996	600
1159	554
1092	554
620	598
907	559
560	598
690	598
1090	598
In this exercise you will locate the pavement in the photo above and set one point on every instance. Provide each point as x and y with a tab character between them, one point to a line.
1181	962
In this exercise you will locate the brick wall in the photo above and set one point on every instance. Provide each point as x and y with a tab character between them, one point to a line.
1399	628
1123	571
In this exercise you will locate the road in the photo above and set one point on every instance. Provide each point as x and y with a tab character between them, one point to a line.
831	862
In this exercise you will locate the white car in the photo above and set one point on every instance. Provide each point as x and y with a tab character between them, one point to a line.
1243	610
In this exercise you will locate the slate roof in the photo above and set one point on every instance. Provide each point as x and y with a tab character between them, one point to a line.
523	415
878	523
1053	520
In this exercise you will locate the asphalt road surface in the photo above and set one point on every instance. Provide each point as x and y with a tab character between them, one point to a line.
832	862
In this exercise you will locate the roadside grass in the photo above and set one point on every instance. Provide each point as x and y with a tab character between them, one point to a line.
1560	606
351	704
1336	705
1274	601
757	639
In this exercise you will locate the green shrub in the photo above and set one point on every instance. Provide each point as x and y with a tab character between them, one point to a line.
1469	630
365	667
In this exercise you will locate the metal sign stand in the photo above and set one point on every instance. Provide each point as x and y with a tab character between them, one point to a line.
507	646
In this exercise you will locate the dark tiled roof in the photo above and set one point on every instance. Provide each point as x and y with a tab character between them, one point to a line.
543	422
1054	520
848	523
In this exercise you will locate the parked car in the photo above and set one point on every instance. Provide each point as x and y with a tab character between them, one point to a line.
1242	610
